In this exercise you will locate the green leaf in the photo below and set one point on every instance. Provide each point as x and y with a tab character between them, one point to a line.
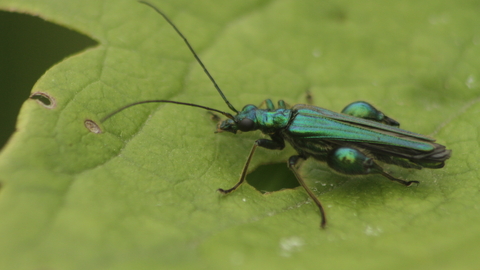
141	194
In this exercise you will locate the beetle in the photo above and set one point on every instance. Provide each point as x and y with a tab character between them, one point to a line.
351	142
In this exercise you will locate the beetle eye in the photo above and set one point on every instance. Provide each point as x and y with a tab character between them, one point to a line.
246	124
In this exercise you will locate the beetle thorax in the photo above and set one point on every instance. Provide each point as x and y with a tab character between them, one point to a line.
271	121
251	118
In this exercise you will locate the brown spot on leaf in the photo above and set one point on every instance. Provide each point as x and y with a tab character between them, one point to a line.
44	99
92	126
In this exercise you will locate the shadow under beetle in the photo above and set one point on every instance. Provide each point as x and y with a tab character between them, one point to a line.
350	142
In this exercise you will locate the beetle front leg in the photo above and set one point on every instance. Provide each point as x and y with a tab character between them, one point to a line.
351	161
365	110
267	103
277	143
214	117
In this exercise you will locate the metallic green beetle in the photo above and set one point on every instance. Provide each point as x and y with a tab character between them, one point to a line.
350	142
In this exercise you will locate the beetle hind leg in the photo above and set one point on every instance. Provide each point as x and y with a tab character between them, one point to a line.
365	110
403	182
351	161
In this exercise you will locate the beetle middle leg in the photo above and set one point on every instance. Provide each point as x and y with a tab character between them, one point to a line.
309	97
292	164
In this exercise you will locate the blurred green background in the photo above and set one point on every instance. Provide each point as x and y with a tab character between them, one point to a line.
28	47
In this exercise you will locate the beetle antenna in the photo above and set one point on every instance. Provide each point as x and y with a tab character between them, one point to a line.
164	101
193	52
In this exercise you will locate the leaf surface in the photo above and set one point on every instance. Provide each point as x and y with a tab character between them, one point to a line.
141	194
